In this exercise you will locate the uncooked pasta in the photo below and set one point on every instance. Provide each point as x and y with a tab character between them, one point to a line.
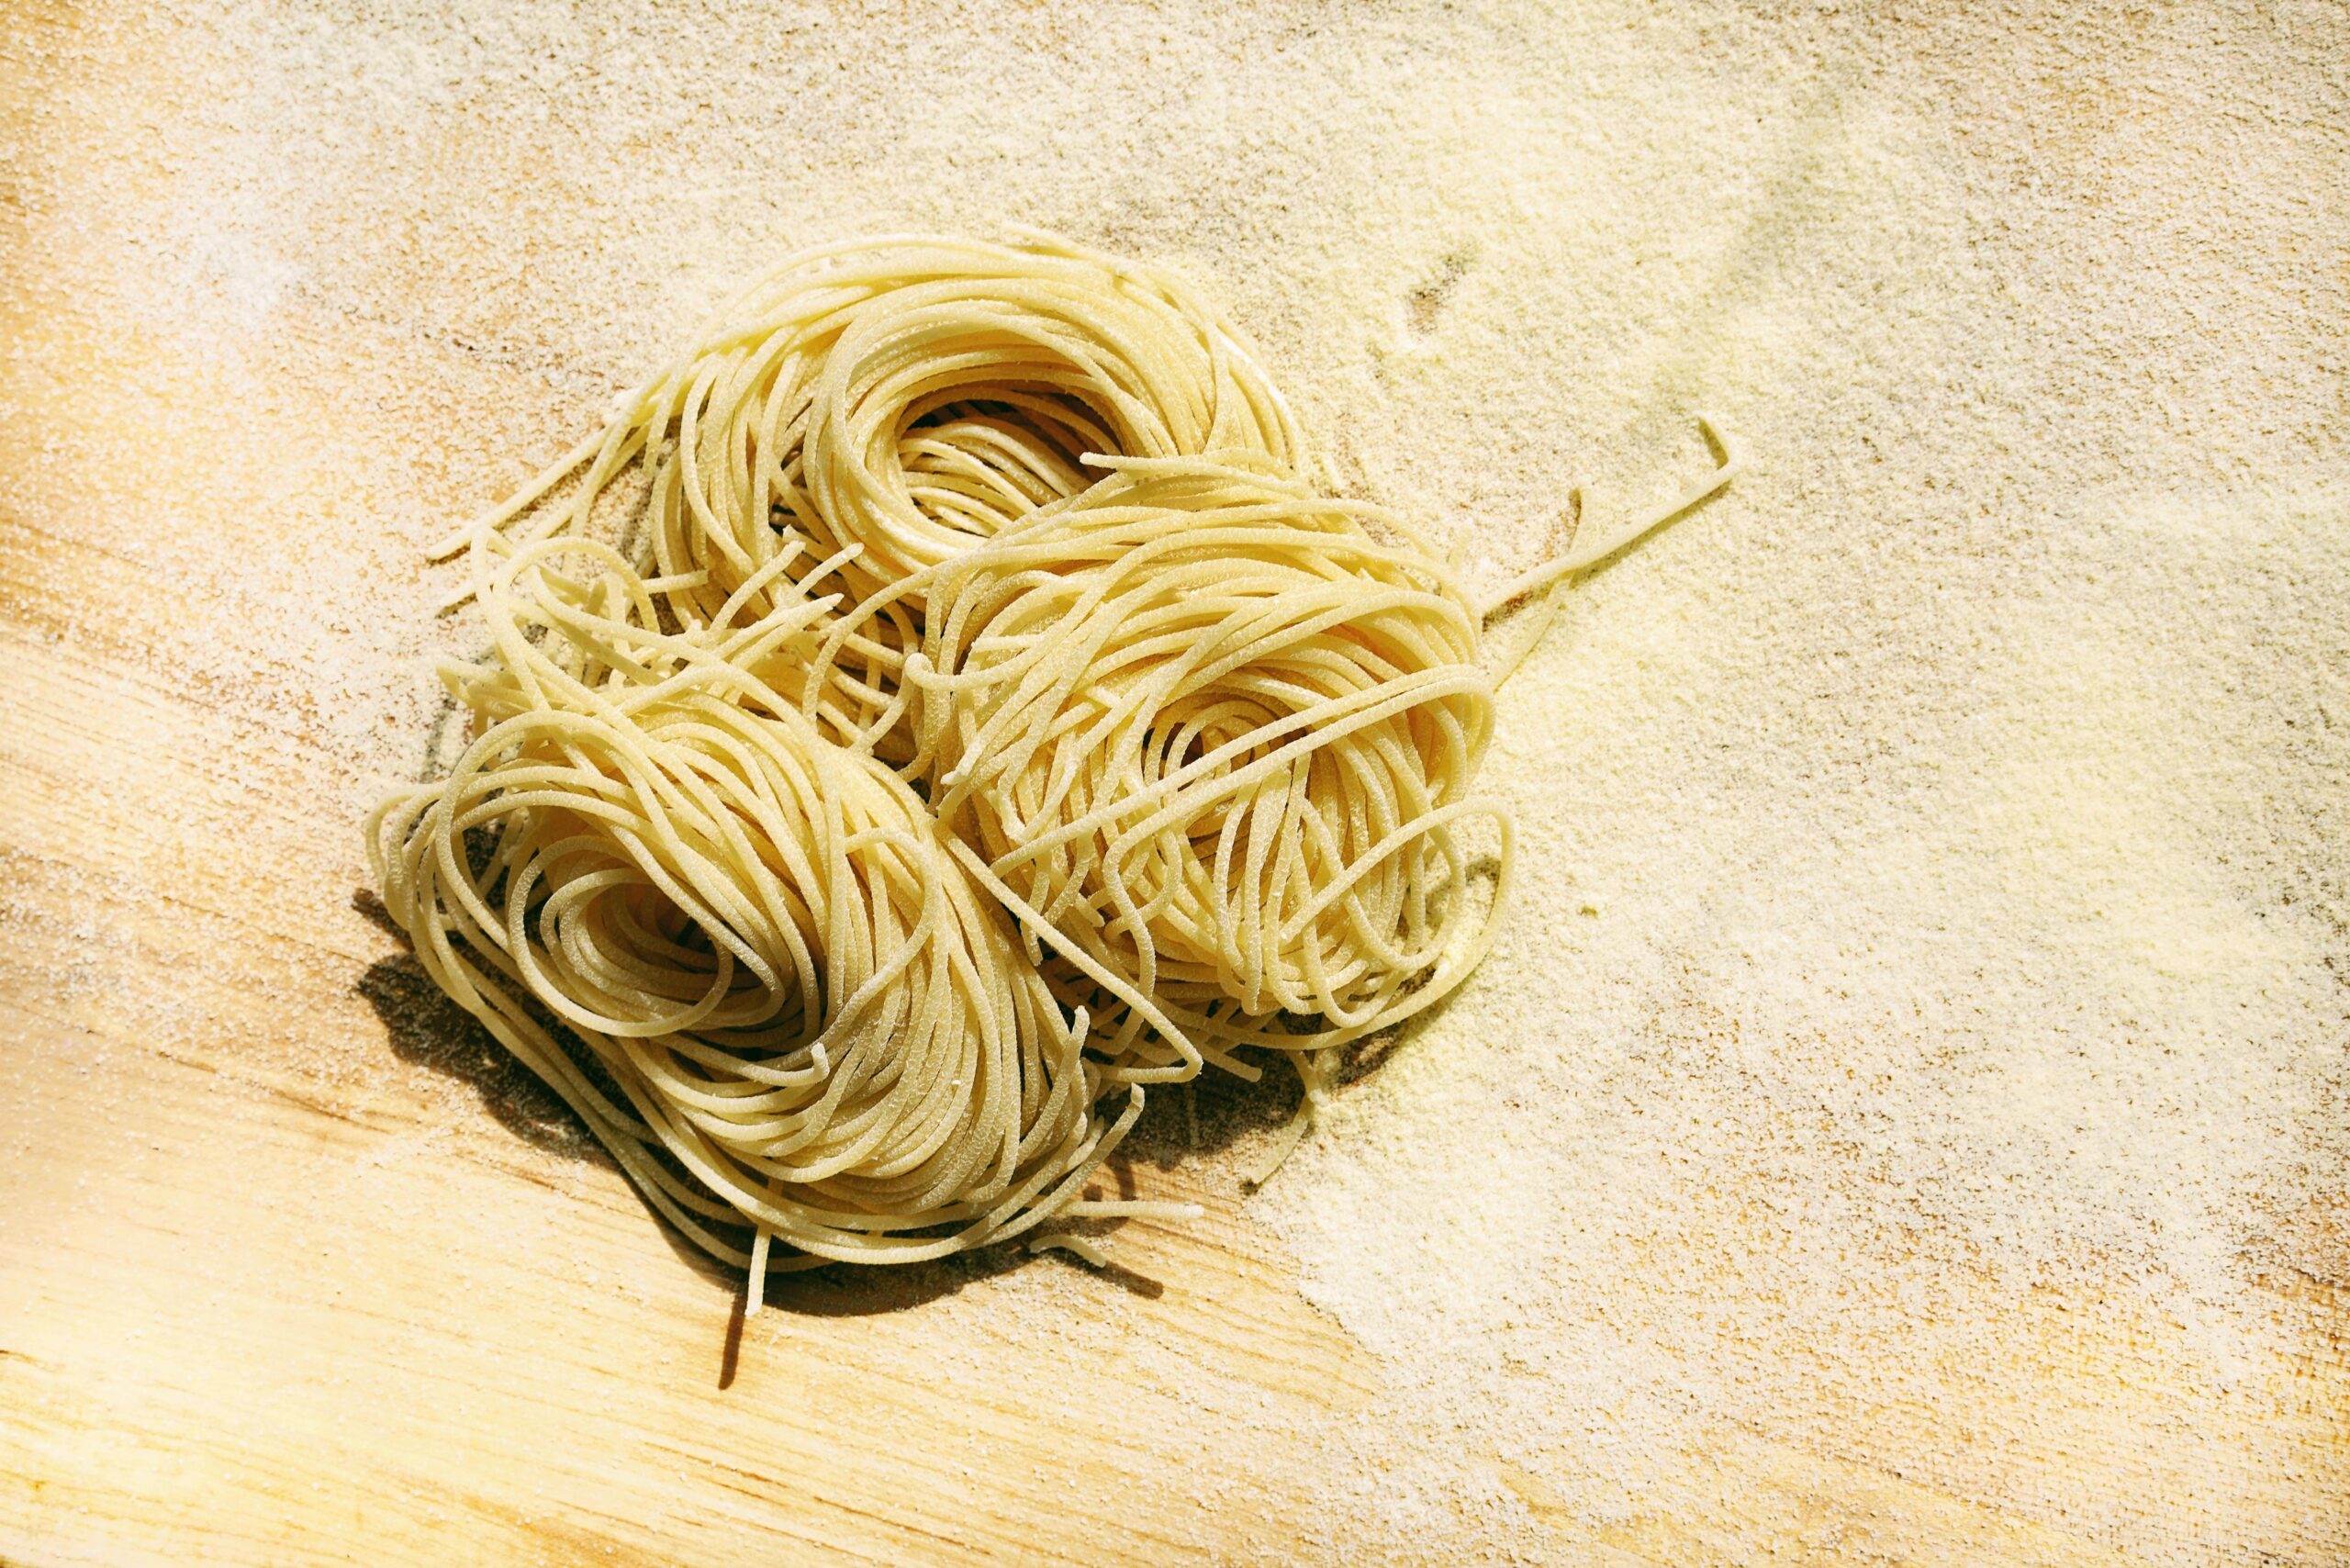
932	711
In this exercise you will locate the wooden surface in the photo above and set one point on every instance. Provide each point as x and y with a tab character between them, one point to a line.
293	1270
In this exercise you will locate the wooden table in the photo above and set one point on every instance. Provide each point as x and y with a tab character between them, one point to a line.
294	1268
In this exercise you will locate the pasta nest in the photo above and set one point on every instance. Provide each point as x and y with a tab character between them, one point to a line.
1215	734
889	404
787	986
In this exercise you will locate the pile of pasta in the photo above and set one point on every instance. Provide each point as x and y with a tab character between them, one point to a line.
934	709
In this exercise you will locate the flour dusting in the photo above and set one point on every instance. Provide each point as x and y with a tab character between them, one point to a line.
1917	1051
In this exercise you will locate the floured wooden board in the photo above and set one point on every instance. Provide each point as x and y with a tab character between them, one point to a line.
1905	1121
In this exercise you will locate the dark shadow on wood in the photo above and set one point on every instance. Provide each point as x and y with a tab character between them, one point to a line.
424	1027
